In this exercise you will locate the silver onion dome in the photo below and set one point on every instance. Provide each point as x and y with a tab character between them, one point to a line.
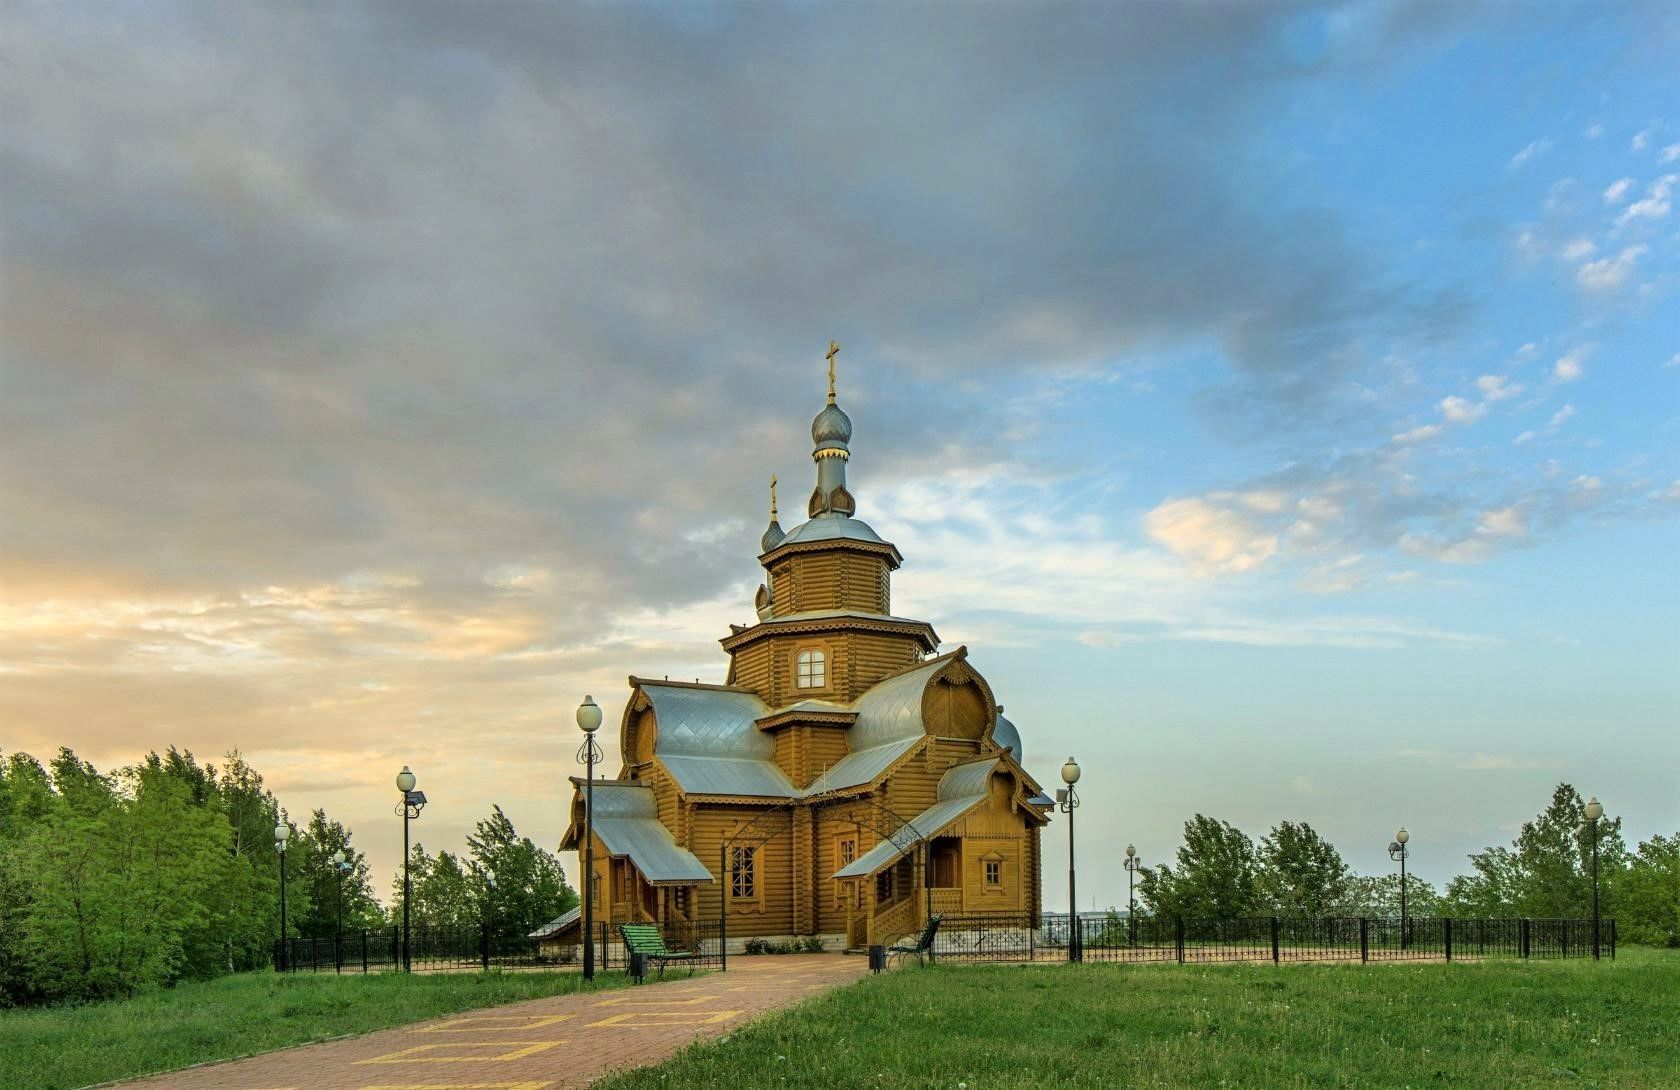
832	427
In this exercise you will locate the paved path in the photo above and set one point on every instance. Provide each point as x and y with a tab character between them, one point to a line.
538	1044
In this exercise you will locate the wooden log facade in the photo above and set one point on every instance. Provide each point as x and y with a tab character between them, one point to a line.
844	781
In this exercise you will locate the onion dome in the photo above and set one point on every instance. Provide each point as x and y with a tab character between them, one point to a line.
831	428
773	533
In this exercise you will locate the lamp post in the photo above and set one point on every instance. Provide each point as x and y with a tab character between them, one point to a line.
282	833
412	803
1067	800
589	721
1132	864
341	867
1397	851
1594	811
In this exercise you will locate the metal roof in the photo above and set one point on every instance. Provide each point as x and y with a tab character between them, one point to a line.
832	527
892	710
1005	735
960	790
702	722
728	776
855	769
627	821
558	924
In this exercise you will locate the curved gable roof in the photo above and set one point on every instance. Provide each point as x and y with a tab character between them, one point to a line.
892	710
705	722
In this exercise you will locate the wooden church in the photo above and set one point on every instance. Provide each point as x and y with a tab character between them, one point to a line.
843	782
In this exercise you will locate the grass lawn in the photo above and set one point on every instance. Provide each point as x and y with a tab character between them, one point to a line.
58	1048
1493	1024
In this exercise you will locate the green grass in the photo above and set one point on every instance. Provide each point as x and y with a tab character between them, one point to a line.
58	1048
1492	1024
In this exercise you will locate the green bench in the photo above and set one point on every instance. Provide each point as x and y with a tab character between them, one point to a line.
646	939
923	946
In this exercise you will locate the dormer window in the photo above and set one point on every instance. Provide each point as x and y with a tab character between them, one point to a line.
811	670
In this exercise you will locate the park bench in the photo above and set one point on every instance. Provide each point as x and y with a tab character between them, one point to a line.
922	947
647	940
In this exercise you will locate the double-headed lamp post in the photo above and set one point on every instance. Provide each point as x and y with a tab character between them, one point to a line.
1594	811
1068	801
282	833
1132	864
589	721
1397	851
341	867
412	803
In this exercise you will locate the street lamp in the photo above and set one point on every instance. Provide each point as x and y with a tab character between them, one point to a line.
589	721
1067	800
1132	864
409	807
1397	851
1594	811
282	833
341	867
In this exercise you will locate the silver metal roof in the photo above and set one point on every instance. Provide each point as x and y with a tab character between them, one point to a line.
728	776
831	527
1005	735
698	722
892	710
855	769
627	821
558	924
960	790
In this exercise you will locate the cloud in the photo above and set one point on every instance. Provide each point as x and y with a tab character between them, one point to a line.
1568	368
1418	434
1458	410
1610	273
1559	418
1617	190
1498	387
1577	249
1669	153
1642	139
1212	539
1655	205
1531	150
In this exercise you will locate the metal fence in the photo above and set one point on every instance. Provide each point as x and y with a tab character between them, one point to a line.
458	949
1115	937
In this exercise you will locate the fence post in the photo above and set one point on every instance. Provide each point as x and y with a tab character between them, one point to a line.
1274	941
364	951
1364	940
1481	938
1612	938
1178	937
1522	935
1563	938
484	947
1446	930
395	959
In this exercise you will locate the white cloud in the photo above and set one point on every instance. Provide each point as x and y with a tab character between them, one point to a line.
1670	154
1617	190
1212	539
1535	147
1503	522
1593	131
1559	418
1417	435
1458	410
1498	387
1642	139
1608	274
1578	249
1562	415
1654	205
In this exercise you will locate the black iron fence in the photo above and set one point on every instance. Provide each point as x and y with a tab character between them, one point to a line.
1115	937
483	948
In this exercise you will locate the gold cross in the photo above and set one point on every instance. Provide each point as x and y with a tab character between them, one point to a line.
772	497
833	350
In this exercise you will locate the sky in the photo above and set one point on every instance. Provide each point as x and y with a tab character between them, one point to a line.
1282	402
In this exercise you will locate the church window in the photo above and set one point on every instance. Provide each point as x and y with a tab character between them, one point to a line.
812	670
994	872
743	873
848	850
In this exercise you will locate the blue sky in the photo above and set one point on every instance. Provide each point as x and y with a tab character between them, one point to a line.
1280	401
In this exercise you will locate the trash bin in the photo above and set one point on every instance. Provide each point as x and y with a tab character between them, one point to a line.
638	967
877	958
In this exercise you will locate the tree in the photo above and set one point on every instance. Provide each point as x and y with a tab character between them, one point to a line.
1301	874
1648	894
518	885
1379	895
1547	870
1216	876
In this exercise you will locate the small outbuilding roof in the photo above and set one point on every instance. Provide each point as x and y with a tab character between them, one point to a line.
960	790
627	821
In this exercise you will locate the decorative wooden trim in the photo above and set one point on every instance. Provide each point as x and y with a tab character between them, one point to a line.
840	622
884	549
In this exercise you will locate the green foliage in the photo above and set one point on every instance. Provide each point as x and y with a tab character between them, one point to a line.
1301	873
1647	894
808	944
1217	874
506	882
1547	870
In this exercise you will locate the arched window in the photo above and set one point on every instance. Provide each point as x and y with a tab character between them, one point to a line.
812	670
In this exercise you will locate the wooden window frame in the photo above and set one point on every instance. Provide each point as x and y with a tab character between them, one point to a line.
823	659
994	873
743	863
840	861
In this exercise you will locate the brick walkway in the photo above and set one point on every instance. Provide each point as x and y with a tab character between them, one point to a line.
538	1044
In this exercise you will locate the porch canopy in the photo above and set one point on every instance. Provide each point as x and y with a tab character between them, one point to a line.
627	821
960	790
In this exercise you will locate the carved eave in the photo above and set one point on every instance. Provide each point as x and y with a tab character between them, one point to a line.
837	622
637	682
1025	788
777	720
884	549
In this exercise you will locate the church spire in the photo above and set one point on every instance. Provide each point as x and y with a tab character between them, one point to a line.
830	432
773	533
